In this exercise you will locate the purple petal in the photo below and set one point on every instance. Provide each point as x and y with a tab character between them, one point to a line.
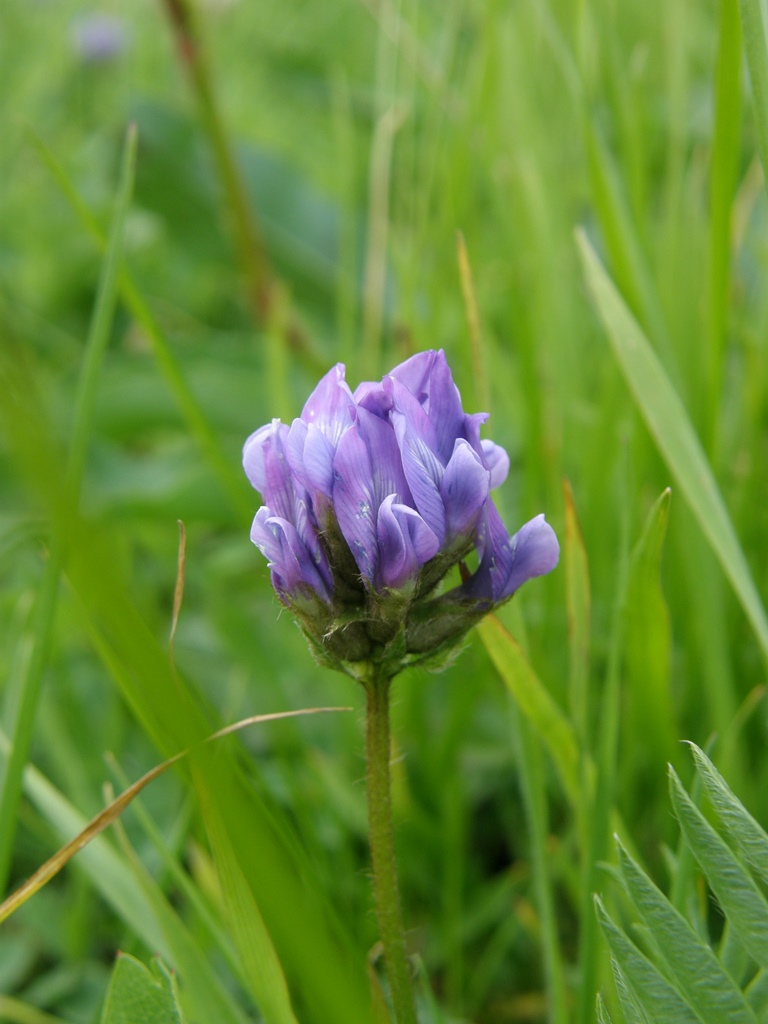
464	490
506	563
423	470
405	543
292	567
310	456
428	378
471	429
415	374
253	455
443	407
354	500
493	549
376	397
329	405
387	472
535	551
306	527
267	468
497	462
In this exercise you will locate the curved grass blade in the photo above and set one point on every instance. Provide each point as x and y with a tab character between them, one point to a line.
740	899
699	974
668	422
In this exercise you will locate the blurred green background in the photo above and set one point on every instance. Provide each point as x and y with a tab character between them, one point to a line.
353	139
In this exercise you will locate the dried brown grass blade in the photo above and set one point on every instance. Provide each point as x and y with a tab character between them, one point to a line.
113	811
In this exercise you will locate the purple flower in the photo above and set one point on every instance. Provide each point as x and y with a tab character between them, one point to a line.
371	498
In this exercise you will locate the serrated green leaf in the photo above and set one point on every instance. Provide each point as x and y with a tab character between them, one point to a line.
693	964
662	1003
757	994
137	995
633	1013
740	899
603	1017
738	824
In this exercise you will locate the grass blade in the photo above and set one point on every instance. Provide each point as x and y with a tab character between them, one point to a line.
534	701
649	642
726	140
577	596
753	20
258	958
668	422
196	422
98	336
534	796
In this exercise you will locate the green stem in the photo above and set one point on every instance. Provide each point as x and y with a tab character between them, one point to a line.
381	838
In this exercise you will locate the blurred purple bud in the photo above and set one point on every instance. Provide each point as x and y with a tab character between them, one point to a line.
98	38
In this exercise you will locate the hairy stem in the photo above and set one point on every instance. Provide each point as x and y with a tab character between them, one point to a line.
381	837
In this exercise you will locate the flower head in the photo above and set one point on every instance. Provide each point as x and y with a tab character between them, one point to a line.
371	497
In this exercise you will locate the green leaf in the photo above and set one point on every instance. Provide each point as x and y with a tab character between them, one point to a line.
662	1003
137	995
696	969
741	901
667	420
738	823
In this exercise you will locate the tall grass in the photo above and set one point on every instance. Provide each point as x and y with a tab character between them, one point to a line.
364	137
